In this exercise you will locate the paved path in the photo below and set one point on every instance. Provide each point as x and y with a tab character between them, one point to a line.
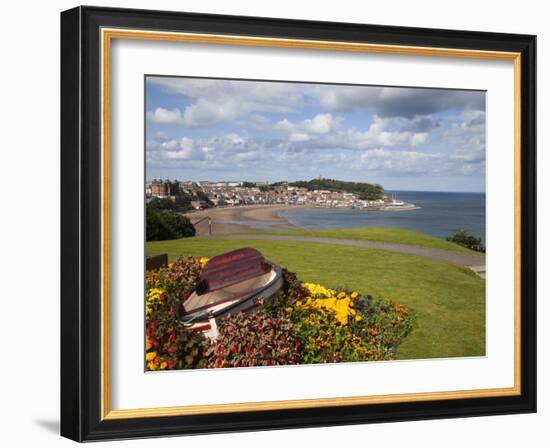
448	256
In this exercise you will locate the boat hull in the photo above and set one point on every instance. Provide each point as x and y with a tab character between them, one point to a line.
232	303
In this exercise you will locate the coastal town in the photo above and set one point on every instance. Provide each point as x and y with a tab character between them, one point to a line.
207	194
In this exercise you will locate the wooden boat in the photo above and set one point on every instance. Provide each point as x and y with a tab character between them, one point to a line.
232	282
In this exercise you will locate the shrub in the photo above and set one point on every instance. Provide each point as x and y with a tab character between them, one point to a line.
291	291
253	339
464	239
168	344
305	323
339	325
163	224
162	203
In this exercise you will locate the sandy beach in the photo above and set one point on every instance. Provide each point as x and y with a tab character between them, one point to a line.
244	218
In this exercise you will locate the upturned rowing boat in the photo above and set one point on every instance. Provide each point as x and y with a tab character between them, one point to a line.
232	282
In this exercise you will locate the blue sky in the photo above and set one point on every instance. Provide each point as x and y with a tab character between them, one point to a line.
402	138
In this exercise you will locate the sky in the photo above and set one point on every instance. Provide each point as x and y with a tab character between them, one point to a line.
416	139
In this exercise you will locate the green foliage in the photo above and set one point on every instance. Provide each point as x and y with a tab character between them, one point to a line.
448	300
253	339
304	324
381	234
249	184
162	224
169	344
464	239
291	291
363	190
161	204
181	277
202	196
348	329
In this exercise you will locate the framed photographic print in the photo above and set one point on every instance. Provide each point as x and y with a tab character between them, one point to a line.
273	223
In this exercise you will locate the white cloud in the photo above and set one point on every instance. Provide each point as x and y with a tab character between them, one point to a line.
216	150
186	150
299	137
165	116
397	101
379	133
244	156
161	136
218	101
308	129
320	124
207	113
467	139
405	131
169	144
393	162
326	132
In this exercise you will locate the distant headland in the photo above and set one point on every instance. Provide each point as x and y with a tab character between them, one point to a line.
319	192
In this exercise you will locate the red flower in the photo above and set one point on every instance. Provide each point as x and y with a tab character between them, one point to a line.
172	337
172	349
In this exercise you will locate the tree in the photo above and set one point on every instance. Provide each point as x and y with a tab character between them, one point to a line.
166	224
362	190
464	239
162	204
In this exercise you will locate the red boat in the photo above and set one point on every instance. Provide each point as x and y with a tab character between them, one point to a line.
232	282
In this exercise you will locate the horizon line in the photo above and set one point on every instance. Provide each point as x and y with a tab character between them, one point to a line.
374	183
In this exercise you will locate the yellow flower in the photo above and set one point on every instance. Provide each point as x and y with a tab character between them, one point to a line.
163	365
288	310
153	295
150	356
341	295
354	294
203	261
318	291
148	343
358	318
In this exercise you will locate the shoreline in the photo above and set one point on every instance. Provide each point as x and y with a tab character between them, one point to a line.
250	218
242	218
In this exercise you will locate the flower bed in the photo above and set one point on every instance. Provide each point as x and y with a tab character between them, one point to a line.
305	323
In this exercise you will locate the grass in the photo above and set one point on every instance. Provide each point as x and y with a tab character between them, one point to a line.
381	234
449	300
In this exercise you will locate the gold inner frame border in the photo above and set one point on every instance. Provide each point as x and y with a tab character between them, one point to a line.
107	36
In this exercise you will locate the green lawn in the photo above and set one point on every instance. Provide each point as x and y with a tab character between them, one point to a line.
449	300
381	234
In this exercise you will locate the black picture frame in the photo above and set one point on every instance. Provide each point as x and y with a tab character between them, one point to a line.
81	224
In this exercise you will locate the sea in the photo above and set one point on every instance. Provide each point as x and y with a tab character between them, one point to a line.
439	214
